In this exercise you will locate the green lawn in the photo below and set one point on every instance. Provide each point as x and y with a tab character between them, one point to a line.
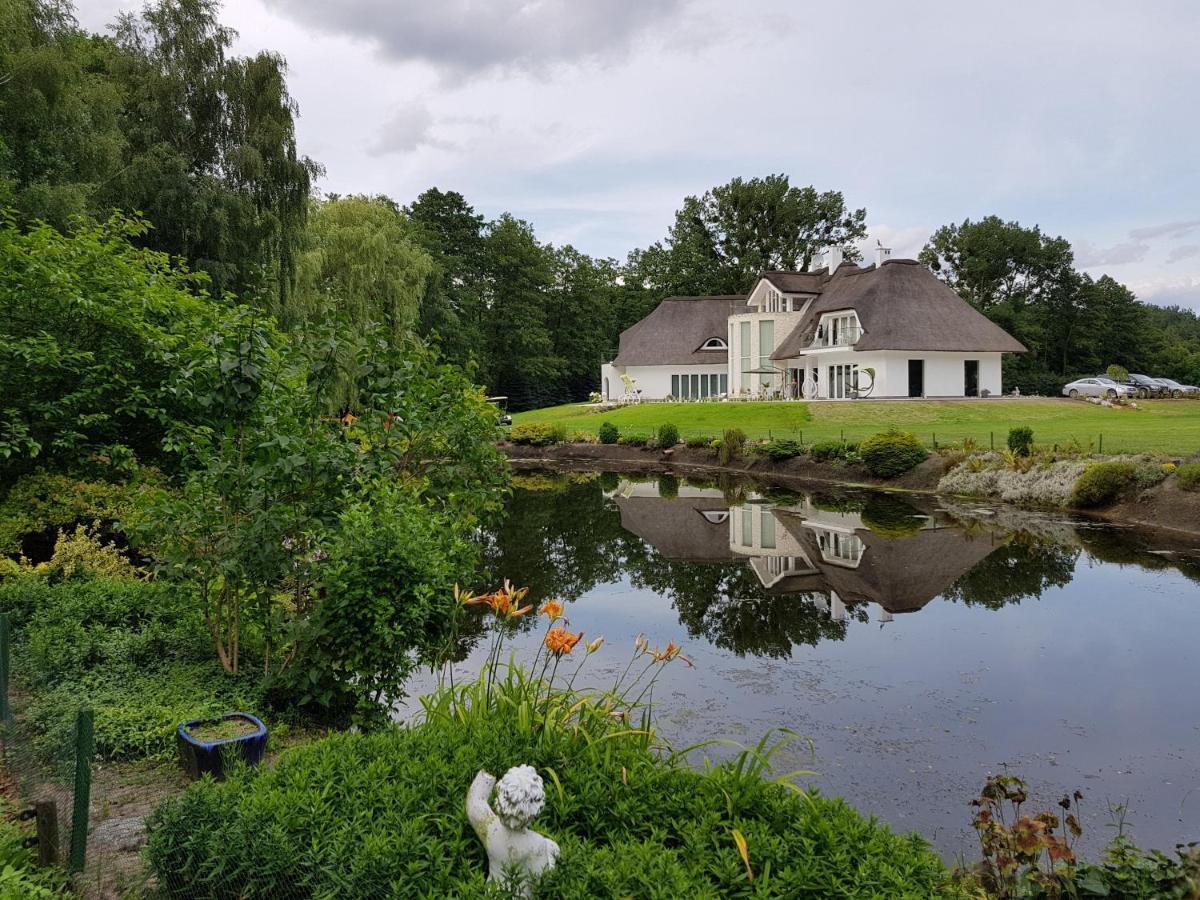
1170	426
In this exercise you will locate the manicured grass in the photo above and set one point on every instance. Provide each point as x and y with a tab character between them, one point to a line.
1168	426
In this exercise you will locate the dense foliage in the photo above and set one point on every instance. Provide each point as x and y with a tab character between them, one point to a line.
135	652
891	453
780	449
90	330
668	435
1189	476
608	433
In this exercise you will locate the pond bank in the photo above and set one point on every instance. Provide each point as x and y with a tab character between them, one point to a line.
1164	507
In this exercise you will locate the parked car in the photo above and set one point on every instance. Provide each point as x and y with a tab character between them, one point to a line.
1149	387
1129	383
1096	387
1180	390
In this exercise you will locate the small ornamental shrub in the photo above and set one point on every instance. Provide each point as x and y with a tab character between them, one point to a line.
1188	475
1020	440
668	435
733	443
609	433
583	437
538	434
829	451
633	440
1102	483
892	453
780	449
703	442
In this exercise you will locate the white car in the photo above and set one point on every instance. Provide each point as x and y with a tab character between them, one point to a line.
1094	387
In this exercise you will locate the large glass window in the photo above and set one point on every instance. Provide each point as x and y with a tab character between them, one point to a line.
675	386
724	383
744	350
768	529
766	342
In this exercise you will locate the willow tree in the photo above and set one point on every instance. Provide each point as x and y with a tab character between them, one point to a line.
211	154
360	262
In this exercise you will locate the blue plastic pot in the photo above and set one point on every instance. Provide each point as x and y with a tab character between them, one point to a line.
203	758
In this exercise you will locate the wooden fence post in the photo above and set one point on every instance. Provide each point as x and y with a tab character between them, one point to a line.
47	831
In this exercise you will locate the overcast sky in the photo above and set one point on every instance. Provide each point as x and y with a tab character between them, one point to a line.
594	118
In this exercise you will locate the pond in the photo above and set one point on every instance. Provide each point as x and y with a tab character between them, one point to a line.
920	644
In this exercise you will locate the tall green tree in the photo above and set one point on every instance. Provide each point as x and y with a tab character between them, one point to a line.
454	308
211	155
723	239
361	263
520	362
60	112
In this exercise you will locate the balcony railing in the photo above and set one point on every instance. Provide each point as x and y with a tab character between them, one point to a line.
827	336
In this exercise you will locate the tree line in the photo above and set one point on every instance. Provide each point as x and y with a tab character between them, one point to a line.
161	120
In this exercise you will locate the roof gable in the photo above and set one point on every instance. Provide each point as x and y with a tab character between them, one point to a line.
901	305
674	332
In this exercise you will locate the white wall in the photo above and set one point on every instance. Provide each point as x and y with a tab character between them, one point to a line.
654	381
944	372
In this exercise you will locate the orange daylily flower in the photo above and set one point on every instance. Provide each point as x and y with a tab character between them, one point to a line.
670	652
561	642
552	609
503	603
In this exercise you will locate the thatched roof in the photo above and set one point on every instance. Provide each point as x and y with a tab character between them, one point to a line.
677	528
901	574
673	334
901	305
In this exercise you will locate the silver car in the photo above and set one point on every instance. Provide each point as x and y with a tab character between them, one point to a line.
1095	387
1175	389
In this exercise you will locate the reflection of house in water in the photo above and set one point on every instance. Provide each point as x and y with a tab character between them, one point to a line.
832	556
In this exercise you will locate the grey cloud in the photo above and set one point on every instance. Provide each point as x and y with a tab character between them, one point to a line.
1184	251
464	37
407	130
1169	230
1087	256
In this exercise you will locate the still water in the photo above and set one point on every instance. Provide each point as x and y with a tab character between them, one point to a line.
920	645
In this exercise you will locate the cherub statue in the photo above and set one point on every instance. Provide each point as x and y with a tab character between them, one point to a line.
511	846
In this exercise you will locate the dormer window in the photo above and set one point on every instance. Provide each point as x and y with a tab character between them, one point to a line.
714	343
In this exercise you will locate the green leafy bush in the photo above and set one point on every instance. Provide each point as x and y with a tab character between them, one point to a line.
700	442
387	601
891	453
780	449
733	444
668	487
828	451
633	440
609	433
1020	440
360	815
1189	476
538	434
668	435
1101	483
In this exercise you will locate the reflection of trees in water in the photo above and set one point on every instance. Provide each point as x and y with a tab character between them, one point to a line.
560	543
1020	568
563	543
1125	547
726	604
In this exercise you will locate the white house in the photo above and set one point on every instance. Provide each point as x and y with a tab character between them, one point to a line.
890	329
